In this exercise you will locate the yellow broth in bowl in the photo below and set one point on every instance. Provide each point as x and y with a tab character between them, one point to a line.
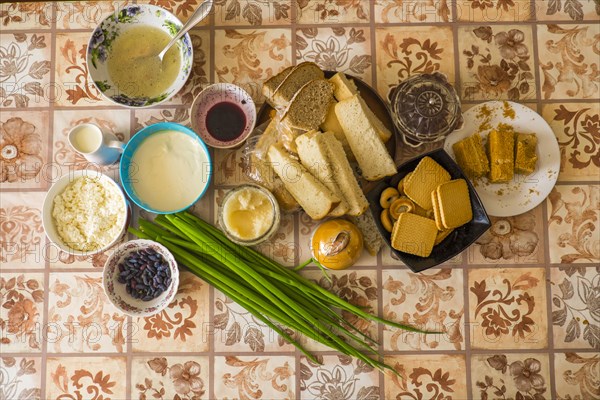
132	68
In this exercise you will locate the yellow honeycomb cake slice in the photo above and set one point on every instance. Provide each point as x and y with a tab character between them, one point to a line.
470	156
501	152
525	153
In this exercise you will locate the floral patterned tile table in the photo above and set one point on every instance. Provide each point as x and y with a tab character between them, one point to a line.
520	309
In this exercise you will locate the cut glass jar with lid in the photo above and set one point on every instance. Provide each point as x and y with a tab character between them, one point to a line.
425	108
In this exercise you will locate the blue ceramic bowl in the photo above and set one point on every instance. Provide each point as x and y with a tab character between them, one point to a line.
134	143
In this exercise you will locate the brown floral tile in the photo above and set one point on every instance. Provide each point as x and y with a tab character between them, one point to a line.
62	260
237	331
85	14
576	125
495	62
254	12
182	326
332	11
576	375
336	49
115	124
572	10
426	376
575	313
199	76
389	260
569	61
21	377
73	85
183	9
573	213
406	51
77	378
149	116
25	72
22	239
229	167
494	10
510	376
511	240
433	300
251	377
26	15
80	317
203	207
249	57
183	378
24	138
22	297
338	377
358	287
306	229
507	308
426	11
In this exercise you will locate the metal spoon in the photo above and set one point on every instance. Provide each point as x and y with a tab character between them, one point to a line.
201	12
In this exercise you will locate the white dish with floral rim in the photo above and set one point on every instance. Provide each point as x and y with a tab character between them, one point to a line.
117	293
523	193
111	27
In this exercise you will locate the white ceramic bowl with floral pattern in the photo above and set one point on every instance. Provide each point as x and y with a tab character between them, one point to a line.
111	27
117	293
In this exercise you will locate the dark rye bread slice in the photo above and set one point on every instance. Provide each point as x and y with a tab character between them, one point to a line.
308	108
300	75
273	83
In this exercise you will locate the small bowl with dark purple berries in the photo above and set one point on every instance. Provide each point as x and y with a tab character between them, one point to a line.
141	278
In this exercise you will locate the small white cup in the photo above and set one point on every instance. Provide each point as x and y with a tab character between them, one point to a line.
97	147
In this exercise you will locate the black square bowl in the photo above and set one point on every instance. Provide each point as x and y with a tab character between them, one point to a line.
458	240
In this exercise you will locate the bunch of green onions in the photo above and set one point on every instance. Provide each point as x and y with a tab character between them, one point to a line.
274	294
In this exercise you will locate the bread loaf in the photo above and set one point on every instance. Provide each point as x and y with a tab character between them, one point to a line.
315	159
343	174
299	76
316	200
308	107
368	148
273	83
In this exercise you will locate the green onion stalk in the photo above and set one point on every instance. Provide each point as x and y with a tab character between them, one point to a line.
277	296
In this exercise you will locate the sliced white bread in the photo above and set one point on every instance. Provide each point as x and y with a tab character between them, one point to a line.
331	124
271	84
368	148
383	132
343	174
344	87
308	107
314	197
313	155
300	75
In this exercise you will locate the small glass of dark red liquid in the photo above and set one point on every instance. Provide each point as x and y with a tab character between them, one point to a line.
223	115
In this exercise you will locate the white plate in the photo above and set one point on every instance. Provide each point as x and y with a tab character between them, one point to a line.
523	193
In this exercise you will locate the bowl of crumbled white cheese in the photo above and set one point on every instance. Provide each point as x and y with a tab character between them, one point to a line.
84	213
